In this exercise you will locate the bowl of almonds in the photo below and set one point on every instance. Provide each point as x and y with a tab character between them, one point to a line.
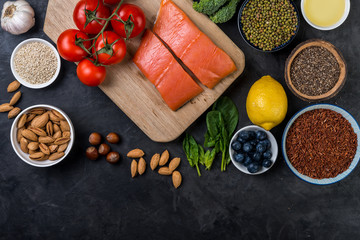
42	135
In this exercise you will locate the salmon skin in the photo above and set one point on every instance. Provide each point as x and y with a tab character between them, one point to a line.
207	62
161	68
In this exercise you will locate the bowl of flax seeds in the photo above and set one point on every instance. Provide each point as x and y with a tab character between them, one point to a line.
320	144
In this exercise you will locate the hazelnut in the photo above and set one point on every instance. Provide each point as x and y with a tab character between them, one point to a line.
92	153
113	157
104	149
113	138
95	138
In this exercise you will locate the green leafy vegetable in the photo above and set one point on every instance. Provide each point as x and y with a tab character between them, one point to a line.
191	150
209	7
209	158
225	13
229	113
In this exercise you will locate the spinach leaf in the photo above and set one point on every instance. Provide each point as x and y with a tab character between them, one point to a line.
229	113
201	155
209	158
191	150
214	121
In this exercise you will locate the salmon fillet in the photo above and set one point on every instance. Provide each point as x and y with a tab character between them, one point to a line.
207	62
161	68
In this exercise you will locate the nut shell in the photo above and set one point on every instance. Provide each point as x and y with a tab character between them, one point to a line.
164	158
113	138
113	157
176	179
92	153
95	138
141	166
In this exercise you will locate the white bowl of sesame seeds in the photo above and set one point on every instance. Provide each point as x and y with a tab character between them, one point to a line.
35	63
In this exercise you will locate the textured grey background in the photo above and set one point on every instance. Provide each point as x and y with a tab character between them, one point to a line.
82	199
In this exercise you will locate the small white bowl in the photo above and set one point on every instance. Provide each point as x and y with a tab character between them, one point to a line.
22	81
274	149
24	156
341	21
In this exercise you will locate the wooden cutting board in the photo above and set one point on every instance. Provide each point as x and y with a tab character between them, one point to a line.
126	86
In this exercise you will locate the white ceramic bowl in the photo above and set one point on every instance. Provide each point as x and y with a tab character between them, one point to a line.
24	156
22	81
274	149
341	21
355	161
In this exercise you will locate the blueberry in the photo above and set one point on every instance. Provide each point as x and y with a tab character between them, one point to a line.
266	142
252	135
244	135
236	146
247	147
267	154
260	147
257	157
247	161
260	135
267	163
253	168
240	140
239	157
253	142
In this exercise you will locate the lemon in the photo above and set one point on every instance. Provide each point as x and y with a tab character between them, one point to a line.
266	103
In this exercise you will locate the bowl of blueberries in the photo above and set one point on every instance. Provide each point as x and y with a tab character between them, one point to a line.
253	150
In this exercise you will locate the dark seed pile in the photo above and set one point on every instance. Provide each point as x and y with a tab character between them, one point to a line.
321	144
268	24
314	71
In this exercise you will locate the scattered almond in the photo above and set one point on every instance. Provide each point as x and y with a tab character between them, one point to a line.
164	158
38	156
22	121
33	146
14	112
164	171
46	139
37	111
23	145
141	166
154	162
64	126
176	179
40	121
133	168
56	156
15	98
38	131
13	86
174	163
6	107
29	135
135	153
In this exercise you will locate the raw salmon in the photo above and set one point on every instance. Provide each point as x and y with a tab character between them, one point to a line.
209	63
161	68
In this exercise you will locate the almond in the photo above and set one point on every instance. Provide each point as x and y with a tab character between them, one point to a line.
46	139
14	112
6	107
58	115
53	117
154	162
37	111
38	156
40	121
61	140
66	134
64	126
164	171
174	163
56	156
164	158
15	98
133	168
19	135
46	157
30	117
44	149
38	131
56	128
13	86
141	166
29	135
49	128
135	153
176	179
57	135
33	146
32	151
63	147
53	148
23	145
22	121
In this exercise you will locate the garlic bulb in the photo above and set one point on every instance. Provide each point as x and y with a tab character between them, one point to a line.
17	17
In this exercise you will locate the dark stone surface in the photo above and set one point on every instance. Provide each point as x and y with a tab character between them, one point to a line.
82	199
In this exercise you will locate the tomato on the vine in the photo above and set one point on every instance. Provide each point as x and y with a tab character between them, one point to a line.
90	74
112	2
138	18
85	13
66	45
110	48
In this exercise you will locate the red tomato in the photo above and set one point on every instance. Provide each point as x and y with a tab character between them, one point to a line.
66	45
89	74
138	18
80	18
111	2
110	54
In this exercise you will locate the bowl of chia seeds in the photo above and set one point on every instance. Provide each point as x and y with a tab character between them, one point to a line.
315	71
268	25
35	63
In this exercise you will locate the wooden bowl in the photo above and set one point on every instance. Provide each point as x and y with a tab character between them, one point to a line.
339	58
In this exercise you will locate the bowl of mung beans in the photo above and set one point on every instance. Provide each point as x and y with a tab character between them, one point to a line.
35	63
268	25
